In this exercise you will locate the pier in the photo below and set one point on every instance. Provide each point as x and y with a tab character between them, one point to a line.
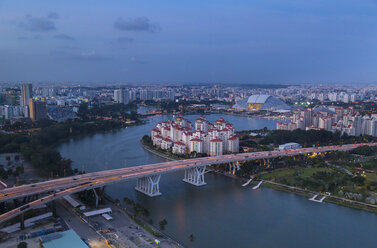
314	198
258	185
247	183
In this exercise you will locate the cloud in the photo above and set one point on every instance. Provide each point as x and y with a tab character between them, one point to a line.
137	61
37	24
83	56
125	40
136	24
53	15
63	37
92	55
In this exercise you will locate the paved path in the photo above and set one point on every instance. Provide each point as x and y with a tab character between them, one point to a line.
75	223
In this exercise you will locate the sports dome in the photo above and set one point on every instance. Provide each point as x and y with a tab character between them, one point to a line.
261	102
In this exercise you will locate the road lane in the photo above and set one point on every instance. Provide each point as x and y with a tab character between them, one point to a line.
70	185
67	182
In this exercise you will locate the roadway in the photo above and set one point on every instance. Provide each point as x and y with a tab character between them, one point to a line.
74	222
70	185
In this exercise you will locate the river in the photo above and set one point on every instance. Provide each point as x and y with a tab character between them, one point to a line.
222	213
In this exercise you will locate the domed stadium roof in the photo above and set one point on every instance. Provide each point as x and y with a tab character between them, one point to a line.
266	102
258	98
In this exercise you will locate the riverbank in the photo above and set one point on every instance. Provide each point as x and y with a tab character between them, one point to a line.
148	230
206	211
290	189
39	147
157	153
330	198
307	193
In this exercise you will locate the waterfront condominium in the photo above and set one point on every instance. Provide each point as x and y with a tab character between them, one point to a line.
212	139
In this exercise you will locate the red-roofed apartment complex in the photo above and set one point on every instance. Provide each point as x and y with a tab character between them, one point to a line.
212	139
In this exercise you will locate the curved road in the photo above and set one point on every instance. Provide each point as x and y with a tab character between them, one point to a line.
70	185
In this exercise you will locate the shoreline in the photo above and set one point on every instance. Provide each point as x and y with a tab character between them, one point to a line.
143	224
147	148
291	189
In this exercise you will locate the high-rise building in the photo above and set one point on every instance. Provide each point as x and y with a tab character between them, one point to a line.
117	95
121	96
37	109
146	95
10	97
133	95
26	94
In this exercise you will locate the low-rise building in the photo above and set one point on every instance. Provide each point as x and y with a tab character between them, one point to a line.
289	146
179	147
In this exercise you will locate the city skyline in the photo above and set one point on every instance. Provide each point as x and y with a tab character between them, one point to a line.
219	123
275	42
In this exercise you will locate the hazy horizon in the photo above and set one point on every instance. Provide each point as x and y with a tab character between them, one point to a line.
231	42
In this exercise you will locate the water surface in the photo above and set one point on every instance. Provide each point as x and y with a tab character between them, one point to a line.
222	213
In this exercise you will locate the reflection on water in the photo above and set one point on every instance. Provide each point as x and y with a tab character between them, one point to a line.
222	213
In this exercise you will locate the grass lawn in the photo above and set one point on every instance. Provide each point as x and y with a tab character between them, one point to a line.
308	172
305	172
281	173
290	174
371	177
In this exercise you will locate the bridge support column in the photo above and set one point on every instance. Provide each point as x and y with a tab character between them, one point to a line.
96	196
233	167
53	207
195	176
149	185
22	221
102	193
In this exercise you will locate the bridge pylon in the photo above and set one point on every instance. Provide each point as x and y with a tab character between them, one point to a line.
96	197
233	167
149	185
195	176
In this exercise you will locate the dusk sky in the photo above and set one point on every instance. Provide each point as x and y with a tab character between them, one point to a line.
222	41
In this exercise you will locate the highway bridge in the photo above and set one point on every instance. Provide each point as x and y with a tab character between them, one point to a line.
148	176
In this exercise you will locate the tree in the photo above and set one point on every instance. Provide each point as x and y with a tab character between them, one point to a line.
162	224
192	238
7	158
358	180
17	157
22	245
127	201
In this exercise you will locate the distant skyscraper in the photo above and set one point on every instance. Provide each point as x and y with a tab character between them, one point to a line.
121	96
146	95
37	109
170	95
26	94
117	94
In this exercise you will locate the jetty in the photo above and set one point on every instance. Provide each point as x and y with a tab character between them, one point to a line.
247	183
314	198
257	186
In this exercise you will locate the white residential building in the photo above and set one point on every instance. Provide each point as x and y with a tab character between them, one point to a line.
201	140
332	119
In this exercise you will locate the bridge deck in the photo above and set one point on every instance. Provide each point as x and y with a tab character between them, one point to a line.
70	185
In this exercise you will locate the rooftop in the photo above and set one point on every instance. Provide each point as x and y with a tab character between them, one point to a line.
258	99
62	240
